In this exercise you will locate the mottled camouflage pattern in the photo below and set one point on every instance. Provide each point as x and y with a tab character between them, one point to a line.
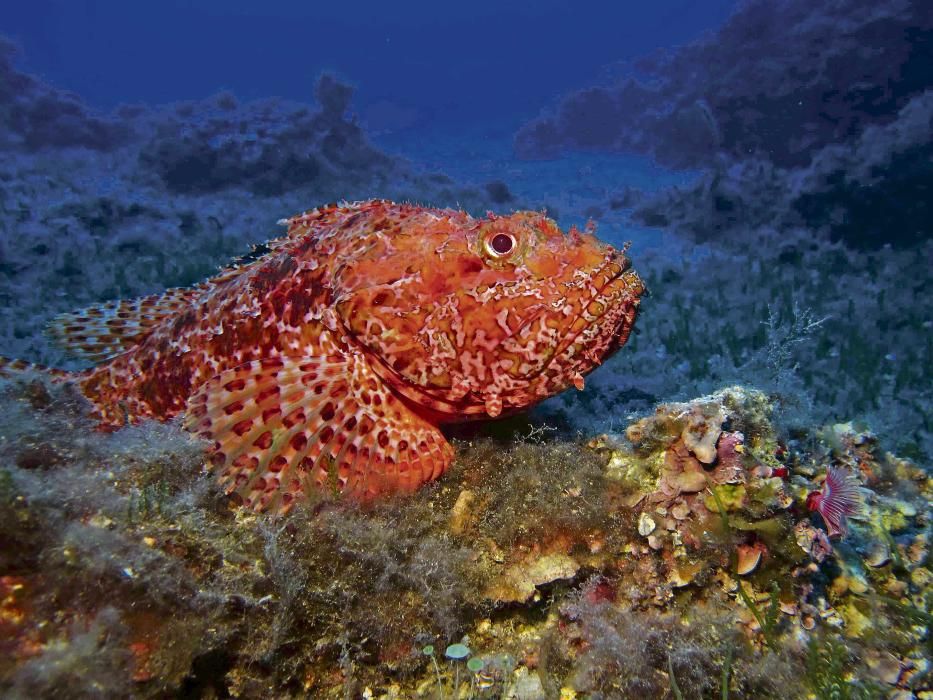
331	360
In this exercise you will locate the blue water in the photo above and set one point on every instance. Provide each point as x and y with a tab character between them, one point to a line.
451	63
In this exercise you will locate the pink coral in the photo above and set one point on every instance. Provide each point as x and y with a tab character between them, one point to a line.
838	500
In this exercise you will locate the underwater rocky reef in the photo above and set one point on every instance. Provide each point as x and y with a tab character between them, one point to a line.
37	116
663	534
778	80
870	192
798	115
676	558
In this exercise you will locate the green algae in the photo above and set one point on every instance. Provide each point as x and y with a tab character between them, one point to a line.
726	497
675	689
636	472
766	622
828	662
772	529
720	508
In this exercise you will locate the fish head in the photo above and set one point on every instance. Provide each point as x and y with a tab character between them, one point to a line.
475	317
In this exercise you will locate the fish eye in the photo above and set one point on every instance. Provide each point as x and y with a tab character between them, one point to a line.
500	244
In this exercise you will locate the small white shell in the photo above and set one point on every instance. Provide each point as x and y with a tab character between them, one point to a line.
646	525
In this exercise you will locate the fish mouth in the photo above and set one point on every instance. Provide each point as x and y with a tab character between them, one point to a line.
601	320
606	317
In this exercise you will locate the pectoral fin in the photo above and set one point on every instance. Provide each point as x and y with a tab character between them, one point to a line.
284	427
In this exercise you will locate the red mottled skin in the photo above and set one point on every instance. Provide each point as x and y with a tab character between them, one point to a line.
332	359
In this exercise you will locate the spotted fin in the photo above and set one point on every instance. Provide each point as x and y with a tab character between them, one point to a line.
100	332
285	427
10	368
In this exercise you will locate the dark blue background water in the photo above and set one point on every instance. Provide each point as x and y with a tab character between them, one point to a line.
485	60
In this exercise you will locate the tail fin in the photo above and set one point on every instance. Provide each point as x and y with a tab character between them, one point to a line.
12	368
101	332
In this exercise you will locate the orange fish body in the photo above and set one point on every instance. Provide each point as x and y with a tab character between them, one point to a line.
330	361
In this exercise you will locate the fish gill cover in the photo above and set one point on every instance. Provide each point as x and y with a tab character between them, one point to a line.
736	505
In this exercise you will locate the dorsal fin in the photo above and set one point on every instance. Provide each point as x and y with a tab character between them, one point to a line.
284	427
100	332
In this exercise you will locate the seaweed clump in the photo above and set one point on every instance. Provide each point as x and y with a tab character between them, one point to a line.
623	652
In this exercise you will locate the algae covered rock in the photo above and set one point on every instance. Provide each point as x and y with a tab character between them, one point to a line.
722	443
517	583
557	570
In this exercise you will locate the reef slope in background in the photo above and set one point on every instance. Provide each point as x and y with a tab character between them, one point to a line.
815	116
779	80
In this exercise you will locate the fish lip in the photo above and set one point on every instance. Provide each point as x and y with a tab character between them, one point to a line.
613	257
624	265
618	338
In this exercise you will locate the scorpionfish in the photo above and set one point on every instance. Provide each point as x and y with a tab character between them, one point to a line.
329	361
